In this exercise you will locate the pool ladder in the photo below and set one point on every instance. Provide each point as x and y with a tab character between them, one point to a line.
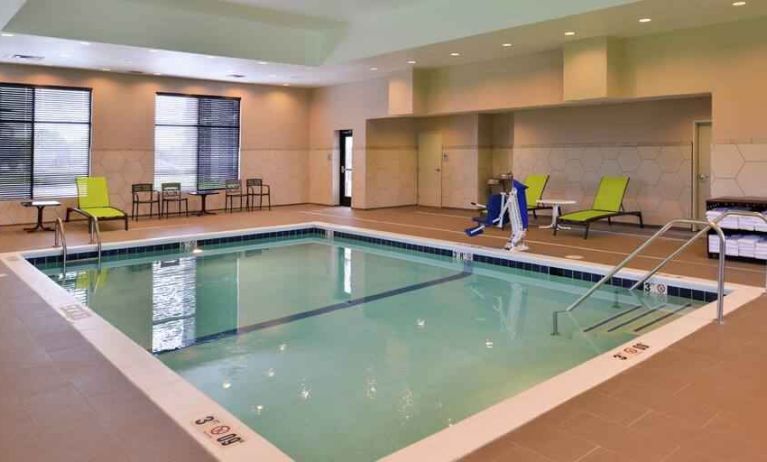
706	226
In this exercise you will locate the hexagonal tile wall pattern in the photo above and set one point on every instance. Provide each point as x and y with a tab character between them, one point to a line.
739	169
660	175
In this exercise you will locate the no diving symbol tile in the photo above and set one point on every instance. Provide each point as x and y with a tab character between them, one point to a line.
74	312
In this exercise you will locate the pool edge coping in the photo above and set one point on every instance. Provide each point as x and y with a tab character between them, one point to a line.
183	402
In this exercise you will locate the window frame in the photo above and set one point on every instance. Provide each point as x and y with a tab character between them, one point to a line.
33	122
197	126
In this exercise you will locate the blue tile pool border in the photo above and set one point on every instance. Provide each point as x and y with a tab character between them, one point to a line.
314	231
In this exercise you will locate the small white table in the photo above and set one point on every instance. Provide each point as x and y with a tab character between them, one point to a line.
556	211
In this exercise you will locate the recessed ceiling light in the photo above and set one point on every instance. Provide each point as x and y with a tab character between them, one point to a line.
209	57
643	20
569	33
157	73
85	43
455	54
154	51
412	61
738	3
106	69
7	34
373	68
263	63
285	84
507	45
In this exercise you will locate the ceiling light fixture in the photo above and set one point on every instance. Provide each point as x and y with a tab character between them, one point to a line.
285	84
263	63
412	61
644	20
739	4
373	68
85	44
106	69
154	51
507	45
455	54
569	33
7	34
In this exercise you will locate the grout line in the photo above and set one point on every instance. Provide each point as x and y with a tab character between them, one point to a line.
642	416
593	450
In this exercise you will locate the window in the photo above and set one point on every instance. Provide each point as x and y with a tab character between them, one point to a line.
45	136
197	141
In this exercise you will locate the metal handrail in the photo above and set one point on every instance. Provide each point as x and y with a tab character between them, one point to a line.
706	224
61	238
716	221
93	229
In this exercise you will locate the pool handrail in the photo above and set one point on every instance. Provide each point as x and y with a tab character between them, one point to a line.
706	226
60	238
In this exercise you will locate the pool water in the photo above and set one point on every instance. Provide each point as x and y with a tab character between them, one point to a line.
338	350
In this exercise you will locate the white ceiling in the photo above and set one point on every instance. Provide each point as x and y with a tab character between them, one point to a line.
212	43
345	10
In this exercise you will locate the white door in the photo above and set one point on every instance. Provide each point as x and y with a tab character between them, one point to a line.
702	168
430	169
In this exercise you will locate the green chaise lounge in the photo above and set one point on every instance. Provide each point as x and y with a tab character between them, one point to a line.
93	200
534	192
608	203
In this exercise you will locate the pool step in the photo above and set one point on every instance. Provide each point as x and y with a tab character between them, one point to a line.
637	319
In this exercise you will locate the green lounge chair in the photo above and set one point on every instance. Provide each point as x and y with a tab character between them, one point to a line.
608	203
534	192
93	200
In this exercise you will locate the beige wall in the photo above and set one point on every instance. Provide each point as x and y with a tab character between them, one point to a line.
342	107
651	142
274	131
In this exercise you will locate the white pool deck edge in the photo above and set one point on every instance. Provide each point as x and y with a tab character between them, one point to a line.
184	403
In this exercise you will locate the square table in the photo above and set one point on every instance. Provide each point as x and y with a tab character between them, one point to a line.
41	205
203	195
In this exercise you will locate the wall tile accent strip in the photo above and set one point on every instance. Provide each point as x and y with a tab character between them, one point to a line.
661	175
143	251
738	169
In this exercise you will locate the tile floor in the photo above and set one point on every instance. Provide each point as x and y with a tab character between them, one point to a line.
702	399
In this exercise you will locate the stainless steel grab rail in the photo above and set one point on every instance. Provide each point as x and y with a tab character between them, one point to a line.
707	225
93	229
652	272
60	238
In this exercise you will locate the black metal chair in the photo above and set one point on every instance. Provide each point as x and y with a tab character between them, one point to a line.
234	191
171	193
257	188
144	193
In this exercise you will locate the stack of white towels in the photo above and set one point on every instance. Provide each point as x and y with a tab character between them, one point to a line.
737	222
738	245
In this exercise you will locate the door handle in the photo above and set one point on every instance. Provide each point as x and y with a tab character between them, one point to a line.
702	177
437	169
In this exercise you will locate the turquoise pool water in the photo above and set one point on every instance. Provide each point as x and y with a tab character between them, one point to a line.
338	350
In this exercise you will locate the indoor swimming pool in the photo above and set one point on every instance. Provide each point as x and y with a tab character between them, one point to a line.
344	349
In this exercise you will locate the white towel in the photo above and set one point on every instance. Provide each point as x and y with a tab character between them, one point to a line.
747	246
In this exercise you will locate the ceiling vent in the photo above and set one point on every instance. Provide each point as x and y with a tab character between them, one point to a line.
28	57
137	72
237	76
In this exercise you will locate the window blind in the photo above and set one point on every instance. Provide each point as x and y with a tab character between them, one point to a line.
197	141
44	140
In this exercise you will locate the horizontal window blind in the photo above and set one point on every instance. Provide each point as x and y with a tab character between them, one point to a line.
197	141
44	141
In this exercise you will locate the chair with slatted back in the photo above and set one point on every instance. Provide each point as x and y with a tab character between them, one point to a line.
143	194
257	188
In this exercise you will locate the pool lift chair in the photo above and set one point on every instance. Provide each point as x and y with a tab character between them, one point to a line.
505	206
